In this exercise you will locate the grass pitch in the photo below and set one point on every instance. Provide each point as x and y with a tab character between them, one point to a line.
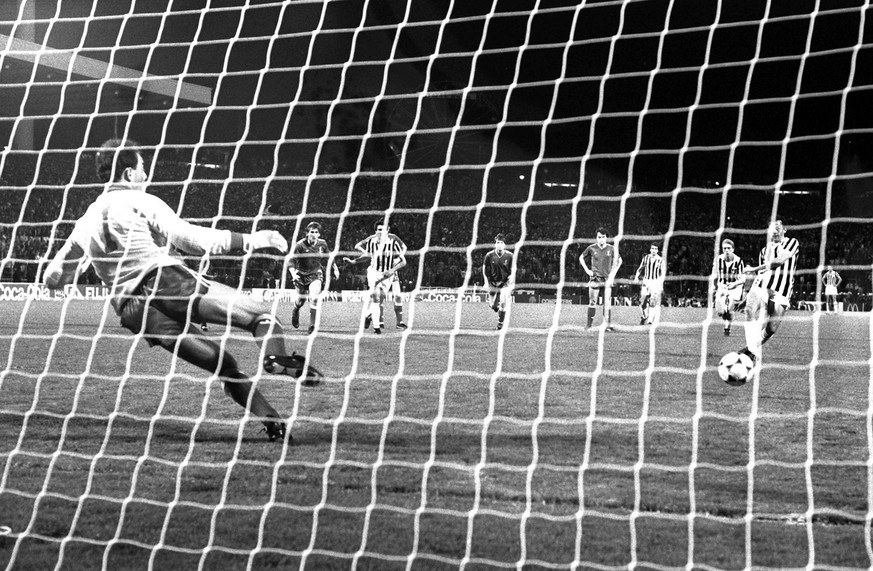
451	445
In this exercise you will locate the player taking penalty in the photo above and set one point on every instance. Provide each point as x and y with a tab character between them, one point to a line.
770	294
497	272
126	235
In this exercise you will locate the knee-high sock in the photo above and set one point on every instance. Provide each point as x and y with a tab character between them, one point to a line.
753	337
376	313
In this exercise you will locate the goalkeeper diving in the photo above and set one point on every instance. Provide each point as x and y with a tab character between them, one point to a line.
127	236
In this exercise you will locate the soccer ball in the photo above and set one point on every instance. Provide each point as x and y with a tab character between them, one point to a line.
735	368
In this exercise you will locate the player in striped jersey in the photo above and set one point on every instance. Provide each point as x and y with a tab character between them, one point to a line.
387	255
831	281
728	270
601	262
770	294
307	272
652	272
127	235
497	271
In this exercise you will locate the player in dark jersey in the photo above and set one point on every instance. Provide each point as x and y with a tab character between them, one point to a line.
770	294
651	271
307	270
601	262
387	255
497	271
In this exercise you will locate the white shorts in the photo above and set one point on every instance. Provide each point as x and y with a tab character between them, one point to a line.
830	290
387	285
652	287
759	296
726	298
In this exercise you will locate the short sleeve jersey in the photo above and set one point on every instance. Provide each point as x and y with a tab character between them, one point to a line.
308	258
498	267
651	267
781	278
728	272
384	255
600	260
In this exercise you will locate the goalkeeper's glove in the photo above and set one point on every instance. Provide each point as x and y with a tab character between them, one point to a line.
265	239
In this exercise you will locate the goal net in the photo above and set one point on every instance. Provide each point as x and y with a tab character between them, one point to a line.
529	437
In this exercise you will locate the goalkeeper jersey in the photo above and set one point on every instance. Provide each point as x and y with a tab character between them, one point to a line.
126	233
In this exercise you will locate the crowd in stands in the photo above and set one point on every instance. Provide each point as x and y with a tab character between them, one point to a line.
447	222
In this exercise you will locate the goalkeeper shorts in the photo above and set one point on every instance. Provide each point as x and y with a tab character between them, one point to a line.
159	307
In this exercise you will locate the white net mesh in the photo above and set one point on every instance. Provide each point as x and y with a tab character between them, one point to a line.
449	444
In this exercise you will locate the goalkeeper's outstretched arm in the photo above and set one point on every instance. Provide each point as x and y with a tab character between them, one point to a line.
64	266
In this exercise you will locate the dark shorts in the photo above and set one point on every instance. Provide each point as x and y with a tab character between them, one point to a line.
159	307
597	282
304	280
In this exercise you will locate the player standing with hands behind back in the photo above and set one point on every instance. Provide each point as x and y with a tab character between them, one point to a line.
497	271
770	295
601	262
730	277
652	271
126	234
831	280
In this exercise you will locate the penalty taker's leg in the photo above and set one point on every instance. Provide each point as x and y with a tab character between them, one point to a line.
756	318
